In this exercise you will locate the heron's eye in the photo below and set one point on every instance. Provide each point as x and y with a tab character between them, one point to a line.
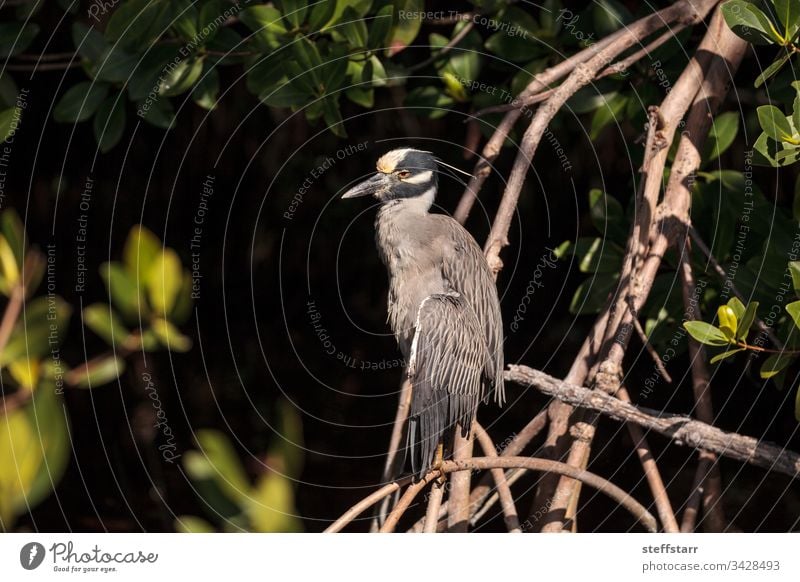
403	174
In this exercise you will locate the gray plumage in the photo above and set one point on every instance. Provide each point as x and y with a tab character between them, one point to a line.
443	303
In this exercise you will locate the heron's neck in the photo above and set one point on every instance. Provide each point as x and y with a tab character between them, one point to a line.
417	205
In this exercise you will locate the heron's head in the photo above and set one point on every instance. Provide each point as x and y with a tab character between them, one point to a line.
403	174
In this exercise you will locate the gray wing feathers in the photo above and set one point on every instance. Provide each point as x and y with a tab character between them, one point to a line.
464	267
447	369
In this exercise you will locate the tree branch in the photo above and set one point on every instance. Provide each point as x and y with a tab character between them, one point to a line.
701	387
532	464
681	430
499	476
702	86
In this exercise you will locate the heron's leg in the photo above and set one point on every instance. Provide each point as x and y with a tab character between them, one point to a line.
438	460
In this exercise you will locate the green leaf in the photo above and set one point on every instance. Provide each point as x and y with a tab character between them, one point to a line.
774	123
737	306
380	27
15	37
609	16
405	30
294	11
144	80
597	255
592	294
728	323
774	364
723	132
765	150
794	271
333	116
429	102
80	102
102	320
750	23
270	507
746	320
109	123
13	230
285	95
607	114
220	463
136	24
185	21
142	248
607	215
122	293
191	523
265	22
705	333
789	15
34	451
771	70
89	42
8	122
116	66
181	77
207	89
164	280
169	336
321	14
95	373
789	155
723	355
793	309
353	28
44	320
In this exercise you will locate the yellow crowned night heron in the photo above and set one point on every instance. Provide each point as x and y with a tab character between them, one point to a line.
443	304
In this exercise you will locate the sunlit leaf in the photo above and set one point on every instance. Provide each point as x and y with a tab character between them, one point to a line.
705	333
724	355
774	364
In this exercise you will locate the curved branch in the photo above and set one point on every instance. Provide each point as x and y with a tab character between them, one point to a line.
365	504
412	491
532	464
503	490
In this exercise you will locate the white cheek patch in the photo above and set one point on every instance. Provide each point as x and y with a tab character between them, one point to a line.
420	178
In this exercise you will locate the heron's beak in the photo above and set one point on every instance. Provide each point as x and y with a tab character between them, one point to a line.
370	186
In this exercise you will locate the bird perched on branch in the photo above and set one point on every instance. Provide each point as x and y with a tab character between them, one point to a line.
443	304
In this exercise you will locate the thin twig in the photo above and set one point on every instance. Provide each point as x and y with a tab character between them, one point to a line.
651	472
36	67
651	350
365	504
625	64
540	82
692	509
506	499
